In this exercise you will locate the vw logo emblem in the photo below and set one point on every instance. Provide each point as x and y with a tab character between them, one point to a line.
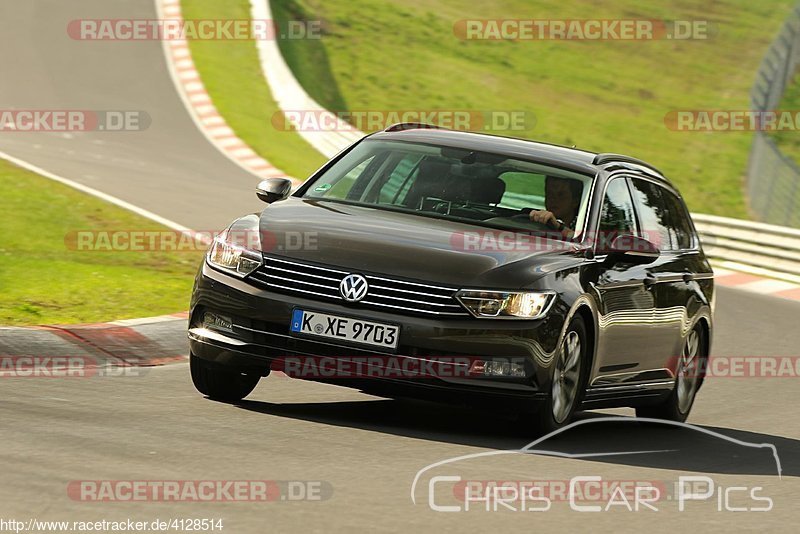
353	288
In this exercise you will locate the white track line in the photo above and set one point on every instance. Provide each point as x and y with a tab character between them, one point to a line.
104	196
290	95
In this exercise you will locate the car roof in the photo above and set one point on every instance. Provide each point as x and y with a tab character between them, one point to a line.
568	158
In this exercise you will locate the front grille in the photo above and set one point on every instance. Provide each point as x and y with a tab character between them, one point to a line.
385	293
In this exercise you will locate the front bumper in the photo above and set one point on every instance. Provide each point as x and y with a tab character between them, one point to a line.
260	337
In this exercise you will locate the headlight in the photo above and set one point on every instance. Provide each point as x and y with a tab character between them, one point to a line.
232	258
506	304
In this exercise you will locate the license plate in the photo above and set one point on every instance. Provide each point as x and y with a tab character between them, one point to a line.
345	328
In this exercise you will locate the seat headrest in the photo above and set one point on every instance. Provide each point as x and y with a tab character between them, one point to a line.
487	190
431	181
439	179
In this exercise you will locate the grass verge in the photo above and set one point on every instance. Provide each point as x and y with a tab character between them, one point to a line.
45	280
608	96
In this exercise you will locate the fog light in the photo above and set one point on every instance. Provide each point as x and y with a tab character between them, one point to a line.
497	368
212	321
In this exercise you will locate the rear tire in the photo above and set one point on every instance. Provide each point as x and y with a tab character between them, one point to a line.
687	381
568	381
221	384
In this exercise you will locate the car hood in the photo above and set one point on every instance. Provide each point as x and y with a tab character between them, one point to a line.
372	240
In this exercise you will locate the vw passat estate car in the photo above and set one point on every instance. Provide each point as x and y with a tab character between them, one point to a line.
491	271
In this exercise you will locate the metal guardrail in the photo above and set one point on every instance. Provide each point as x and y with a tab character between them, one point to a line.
769	249
773	178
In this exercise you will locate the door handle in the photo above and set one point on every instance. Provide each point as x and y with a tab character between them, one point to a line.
688	277
649	281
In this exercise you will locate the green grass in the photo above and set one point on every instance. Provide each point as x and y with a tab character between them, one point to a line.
608	96
789	140
232	75
308	58
603	96
45	281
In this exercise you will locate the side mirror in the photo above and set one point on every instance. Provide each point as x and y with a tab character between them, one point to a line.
273	189
632	249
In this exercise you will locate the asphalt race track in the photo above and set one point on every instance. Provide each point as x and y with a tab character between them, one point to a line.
361	453
169	168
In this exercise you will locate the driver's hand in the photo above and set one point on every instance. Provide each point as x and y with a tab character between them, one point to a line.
544	217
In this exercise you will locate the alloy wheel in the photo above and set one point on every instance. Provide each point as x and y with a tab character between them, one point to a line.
566	376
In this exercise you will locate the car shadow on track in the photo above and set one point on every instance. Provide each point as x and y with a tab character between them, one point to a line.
618	442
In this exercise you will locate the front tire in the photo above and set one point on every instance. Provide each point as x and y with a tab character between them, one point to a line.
568	380
221	384
687	381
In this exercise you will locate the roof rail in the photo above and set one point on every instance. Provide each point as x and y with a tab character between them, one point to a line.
625	162
400	126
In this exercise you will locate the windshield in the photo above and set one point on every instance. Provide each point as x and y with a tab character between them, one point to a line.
452	183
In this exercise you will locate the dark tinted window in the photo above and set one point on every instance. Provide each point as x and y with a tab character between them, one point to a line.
680	229
618	215
662	215
652	215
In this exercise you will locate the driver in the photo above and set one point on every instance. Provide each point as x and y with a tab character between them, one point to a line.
562	202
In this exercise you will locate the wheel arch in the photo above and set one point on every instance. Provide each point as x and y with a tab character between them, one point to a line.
588	317
704	323
585	307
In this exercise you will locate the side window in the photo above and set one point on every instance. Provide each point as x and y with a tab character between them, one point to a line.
617	216
678	223
653	216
